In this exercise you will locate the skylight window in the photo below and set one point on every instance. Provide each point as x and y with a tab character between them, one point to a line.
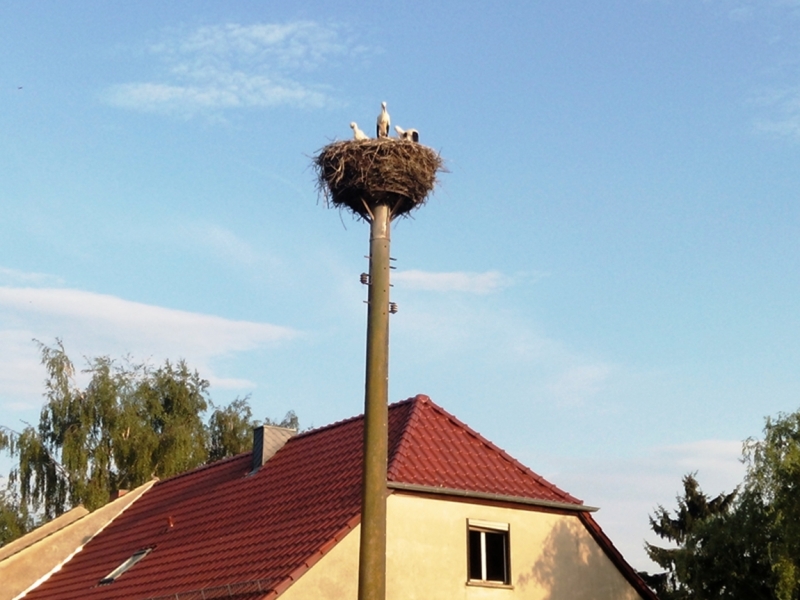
112	577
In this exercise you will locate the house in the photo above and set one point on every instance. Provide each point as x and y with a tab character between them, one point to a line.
464	520
29	560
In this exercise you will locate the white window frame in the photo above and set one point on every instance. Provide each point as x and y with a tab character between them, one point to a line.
484	527
125	566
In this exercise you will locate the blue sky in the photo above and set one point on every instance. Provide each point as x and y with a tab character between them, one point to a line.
605	284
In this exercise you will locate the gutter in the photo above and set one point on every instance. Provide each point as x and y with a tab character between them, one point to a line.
443	491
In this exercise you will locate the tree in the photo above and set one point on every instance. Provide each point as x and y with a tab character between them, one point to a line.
230	428
773	481
719	544
132	422
15	520
740	545
686	529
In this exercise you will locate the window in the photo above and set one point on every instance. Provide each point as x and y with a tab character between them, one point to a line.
112	577
488	552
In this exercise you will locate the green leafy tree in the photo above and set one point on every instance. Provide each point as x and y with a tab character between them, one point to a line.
129	424
773	482
740	545
230	428
289	421
132	422
15	519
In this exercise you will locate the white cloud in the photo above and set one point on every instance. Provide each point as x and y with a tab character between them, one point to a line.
741	13
9	276
229	383
776	23
299	45
97	324
502	349
783	108
139	322
224	243
768	10
627	490
458	281
577	383
228	90
717	460
20	374
236	66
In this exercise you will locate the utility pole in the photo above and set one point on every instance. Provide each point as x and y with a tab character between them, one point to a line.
372	562
377	180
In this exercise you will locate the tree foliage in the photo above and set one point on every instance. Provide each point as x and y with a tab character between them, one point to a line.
230	429
773	481
132	422
15	519
740	545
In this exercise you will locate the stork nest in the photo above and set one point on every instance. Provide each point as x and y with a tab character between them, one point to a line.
362	174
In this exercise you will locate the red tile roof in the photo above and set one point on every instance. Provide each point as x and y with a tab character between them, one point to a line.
217	526
438	450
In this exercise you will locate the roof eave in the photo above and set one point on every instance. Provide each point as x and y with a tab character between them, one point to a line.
442	491
616	557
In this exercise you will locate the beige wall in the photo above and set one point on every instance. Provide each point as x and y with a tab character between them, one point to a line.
37	555
553	557
334	577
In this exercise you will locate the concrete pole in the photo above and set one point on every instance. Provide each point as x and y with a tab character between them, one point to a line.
372	557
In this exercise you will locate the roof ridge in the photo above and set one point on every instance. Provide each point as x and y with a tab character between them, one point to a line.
203	467
293	512
414	415
358	417
300	435
505	455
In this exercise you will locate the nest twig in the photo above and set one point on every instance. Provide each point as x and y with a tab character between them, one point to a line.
359	175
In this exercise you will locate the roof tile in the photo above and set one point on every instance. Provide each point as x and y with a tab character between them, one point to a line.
217	525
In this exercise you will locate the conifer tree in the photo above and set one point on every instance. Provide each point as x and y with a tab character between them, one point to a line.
740	545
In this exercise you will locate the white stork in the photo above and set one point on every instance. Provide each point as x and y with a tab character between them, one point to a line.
383	122
357	133
407	134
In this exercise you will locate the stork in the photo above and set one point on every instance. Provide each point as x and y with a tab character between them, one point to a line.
383	122
357	133
407	134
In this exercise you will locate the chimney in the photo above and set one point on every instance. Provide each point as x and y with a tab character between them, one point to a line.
115	494
267	440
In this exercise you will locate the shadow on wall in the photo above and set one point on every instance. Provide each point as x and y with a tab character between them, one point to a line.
573	567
